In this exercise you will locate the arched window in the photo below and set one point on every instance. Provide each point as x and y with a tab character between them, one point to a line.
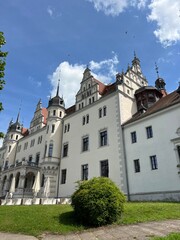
17	179
178	150
42	181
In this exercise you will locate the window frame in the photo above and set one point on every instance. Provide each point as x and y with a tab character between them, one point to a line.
137	167
103	138
154	163
84	172
133	137
65	149
85	143
104	168
63	176
149	132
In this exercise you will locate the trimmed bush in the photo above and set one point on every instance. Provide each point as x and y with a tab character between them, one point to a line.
98	202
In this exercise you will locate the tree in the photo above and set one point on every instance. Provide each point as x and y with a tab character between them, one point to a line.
2	68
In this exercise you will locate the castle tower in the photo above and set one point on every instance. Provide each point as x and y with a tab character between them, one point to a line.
53	136
14	133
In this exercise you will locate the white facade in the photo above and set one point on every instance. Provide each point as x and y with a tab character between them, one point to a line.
94	138
161	182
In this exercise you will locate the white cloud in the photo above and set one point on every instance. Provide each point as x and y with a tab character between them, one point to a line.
166	13
50	11
71	75
110	7
115	7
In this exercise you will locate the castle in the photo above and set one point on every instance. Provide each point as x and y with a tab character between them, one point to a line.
127	131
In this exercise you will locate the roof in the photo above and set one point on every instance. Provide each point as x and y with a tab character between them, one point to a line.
101	86
24	131
165	102
45	114
144	88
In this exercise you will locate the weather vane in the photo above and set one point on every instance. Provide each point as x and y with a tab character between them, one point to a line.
157	70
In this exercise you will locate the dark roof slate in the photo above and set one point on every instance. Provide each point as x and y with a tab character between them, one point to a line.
165	102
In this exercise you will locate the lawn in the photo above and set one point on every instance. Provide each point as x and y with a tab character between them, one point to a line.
37	219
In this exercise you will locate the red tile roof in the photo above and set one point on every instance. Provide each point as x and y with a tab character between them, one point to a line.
45	114
24	132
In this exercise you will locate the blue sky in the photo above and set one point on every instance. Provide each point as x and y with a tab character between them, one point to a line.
58	38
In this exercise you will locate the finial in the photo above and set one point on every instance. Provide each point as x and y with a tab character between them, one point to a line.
134	54
57	94
17	120
157	70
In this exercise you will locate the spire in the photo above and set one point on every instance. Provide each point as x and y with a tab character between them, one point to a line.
57	93
157	70
17	120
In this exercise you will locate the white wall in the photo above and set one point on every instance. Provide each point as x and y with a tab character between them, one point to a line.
166	177
113	152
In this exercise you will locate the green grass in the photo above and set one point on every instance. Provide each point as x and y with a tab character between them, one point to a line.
151	211
172	236
37	219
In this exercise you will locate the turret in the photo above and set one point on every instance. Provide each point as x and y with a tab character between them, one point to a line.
160	83
53	137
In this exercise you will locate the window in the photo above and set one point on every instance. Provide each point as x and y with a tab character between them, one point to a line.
65	150
104	168
11	136
47	129
60	114
85	144
42	180
16	137
32	142
50	152
84	172
53	128
178	150
45	149
9	149
68	127
103	138
37	158
65	128
30	158
136	165
89	100
19	148
133	137
63	176
54	112
154	164
149	132
87	118
39	139
25	145
100	113
104	111
84	120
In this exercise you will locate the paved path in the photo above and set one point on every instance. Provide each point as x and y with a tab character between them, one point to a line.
140	231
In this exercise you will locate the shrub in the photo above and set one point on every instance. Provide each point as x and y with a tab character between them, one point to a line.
98	202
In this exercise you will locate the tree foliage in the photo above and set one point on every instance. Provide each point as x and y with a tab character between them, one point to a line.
2	68
98	202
